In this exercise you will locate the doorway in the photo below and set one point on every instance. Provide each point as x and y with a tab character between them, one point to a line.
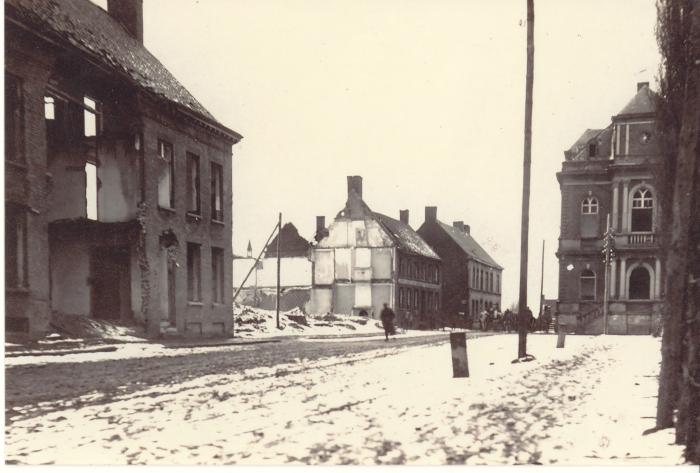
110	283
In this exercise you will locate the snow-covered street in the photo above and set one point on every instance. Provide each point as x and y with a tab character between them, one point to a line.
385	404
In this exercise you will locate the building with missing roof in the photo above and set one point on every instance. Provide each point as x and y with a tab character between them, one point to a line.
118	181
472	280
365	259
610	172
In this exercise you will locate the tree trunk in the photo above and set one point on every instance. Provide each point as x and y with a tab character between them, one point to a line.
525	222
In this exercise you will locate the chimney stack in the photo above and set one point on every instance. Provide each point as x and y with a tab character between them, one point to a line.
403	216
641	85
431	214
355	184
459	225
467	230
129	13
321	231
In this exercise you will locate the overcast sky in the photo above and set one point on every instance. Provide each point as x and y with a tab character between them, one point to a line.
424	99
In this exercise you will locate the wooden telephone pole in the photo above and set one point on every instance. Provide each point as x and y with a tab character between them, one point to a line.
525	223
279	238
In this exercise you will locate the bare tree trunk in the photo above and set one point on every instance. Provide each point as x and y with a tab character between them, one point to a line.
686	196
525	223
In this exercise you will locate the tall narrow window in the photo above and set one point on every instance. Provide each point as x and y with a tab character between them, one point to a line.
13	117
589	206
92	116
193	197
91	190
194	272
166	181
589	218
217	274
49	108
642	210
587	285
15	246
217	192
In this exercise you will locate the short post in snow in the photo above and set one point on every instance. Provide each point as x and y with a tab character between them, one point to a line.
460	363
561	337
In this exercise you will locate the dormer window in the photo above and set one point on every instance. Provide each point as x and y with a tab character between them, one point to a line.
592	150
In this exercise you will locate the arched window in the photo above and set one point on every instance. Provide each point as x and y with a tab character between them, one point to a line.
642	210
640	283
587	285
589	206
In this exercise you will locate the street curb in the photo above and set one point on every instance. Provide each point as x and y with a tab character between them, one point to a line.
16	354
223	344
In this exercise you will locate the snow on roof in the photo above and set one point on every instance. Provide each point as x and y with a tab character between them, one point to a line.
90	29
469	245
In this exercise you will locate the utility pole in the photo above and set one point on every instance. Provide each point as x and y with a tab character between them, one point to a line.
525	223
542	283
279	237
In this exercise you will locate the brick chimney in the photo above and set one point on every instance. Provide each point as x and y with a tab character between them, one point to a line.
129	13
641	85
355	184
459	225
321	231
431	214
467	229
403	216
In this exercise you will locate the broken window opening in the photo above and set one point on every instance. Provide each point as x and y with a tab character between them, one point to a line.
194	272
49	108
217	192
193	193
15	246
91	190
92	117
217	272
166	181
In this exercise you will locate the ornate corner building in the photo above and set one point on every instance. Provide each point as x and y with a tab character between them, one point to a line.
610	173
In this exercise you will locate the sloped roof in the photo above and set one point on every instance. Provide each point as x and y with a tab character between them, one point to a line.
469	245
90	29
577	149
291	243
405	237
644	102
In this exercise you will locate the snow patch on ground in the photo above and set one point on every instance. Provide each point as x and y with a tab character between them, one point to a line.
381	407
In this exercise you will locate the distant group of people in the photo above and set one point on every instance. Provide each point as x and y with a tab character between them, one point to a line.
493	320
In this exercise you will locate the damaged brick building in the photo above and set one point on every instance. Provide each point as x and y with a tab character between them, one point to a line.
118	182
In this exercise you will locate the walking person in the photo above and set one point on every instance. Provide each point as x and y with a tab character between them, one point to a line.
387	317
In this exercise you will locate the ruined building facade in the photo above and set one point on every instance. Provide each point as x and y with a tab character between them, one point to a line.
118	182
610	171
365	259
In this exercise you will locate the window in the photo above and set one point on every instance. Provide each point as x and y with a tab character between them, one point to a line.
587	285
13	118
217	274
592	150
193	198
92	116
498	284
217	192
642	210
640	283
91	185
194	272
15	246
166	182
589	206
49	108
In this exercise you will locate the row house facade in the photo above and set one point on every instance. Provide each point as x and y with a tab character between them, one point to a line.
472	278
610	172
118	181
365	259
